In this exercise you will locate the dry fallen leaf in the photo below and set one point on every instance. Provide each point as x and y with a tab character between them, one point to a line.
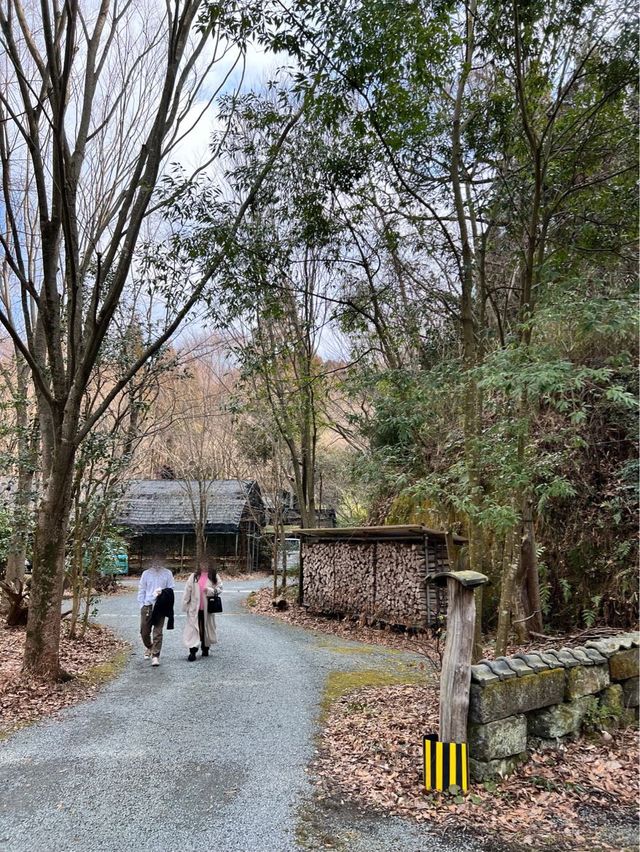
372	752
25	699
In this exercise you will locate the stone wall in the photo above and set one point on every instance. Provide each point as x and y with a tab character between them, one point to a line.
534	701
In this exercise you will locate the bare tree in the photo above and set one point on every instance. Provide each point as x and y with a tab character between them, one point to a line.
94	100
15	377
202	443
104	459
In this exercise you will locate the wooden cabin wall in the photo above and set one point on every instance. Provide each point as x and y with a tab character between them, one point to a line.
177	552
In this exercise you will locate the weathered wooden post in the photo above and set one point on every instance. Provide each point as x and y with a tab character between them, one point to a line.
301	573
446	761
458	651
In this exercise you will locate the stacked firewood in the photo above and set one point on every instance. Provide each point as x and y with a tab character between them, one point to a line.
354	577
318	577
380	581
400	584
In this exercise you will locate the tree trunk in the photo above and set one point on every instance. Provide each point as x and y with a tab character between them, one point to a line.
283	584
76	575
17	551
41	655
91	581
519	608
200	545
529	567
467	280
509	569
277	544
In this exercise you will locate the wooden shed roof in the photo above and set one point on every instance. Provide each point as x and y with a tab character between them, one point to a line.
398	532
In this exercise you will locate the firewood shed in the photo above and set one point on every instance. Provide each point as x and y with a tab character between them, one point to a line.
376	573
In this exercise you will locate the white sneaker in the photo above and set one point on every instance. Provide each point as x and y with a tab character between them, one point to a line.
147	653
155	661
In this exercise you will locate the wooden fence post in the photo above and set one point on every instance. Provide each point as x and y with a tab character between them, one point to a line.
458	651
301	574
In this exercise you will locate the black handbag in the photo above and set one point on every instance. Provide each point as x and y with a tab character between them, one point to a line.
214	604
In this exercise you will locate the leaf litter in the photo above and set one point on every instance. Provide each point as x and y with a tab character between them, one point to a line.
572	797
24	699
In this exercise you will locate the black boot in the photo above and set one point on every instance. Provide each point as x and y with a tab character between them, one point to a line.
192	654
205	650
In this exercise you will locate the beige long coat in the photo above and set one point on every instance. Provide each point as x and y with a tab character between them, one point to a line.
191	605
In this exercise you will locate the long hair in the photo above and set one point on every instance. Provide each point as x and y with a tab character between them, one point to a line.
211	573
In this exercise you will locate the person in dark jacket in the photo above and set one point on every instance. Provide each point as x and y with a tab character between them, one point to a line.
163	608
152	582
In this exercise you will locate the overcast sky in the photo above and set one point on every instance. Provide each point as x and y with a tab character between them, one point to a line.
192	151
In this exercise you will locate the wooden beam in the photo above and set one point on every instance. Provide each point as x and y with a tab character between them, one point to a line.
301	576
455	679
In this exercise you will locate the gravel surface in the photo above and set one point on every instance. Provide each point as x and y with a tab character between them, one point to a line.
194	756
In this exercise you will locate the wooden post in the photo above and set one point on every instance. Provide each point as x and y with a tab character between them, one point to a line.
300	576
456	663
477	641
455	678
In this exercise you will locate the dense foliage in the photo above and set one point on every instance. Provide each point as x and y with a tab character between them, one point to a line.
463	182
419	243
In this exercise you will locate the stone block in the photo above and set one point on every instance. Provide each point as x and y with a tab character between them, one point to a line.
586	681
519	666
561	719
499	699
629	717
610	708
631	692
487	770
501	668
625	664
497	740
482	674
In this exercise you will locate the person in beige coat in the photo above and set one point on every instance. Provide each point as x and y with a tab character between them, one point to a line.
200	628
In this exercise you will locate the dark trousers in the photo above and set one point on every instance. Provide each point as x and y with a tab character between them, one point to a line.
201	631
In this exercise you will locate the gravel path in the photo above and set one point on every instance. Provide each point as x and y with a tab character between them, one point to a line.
194	756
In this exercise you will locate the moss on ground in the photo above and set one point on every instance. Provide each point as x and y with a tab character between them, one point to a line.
341	683
347	649
104	672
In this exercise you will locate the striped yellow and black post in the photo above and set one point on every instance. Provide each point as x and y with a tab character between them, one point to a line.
445	764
